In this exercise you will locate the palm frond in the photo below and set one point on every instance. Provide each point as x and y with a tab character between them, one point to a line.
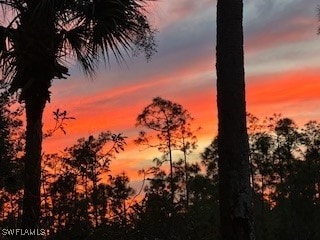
74	44
17	5
116	26
7	52
88	31
10	11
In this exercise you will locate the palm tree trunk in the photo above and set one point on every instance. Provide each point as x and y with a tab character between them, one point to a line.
31	200
234	174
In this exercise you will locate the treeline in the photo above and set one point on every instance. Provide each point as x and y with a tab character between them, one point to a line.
81	199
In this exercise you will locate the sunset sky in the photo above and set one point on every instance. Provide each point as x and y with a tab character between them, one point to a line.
282	64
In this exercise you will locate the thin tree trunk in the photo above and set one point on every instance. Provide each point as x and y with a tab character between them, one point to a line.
171	168
186	173
32	169
94	194
234	173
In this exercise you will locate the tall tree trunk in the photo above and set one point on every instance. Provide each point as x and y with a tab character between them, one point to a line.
32	172
234	174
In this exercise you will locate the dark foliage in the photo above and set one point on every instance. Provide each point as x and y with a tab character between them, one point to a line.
82	200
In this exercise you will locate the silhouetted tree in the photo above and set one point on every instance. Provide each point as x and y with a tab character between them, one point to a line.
285	178
11	165
234	184
120	194
171	122
91	158
187	144
74	209
35	47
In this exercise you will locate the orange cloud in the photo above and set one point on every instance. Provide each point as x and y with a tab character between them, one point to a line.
295	94
290	93
294	86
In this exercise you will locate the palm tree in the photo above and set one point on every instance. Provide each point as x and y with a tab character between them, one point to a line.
38	42
234	184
